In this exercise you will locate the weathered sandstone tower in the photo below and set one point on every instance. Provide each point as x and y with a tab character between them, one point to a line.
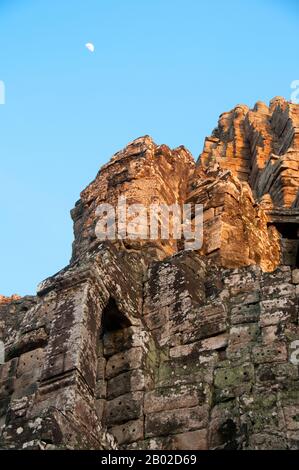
140	344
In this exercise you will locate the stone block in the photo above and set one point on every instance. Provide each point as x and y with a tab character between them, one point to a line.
132	431
295	276
31	361
267	441
279	374
181	396
291	416
278	290
193	440
233	376
123	339
157	319
101	368
124	408
214	343
101	389
242	336
170	422
100	406
277	310
269	353
8	369
193	368
209	321
28	341
247	313
121	362
7	387
131	381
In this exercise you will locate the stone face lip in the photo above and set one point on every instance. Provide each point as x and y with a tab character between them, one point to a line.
143	344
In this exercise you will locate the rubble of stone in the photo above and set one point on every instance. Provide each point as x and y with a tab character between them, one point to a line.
140	344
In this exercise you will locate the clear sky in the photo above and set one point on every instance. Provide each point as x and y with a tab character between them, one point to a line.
167	68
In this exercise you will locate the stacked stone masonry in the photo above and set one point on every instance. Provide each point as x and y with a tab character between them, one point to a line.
142	344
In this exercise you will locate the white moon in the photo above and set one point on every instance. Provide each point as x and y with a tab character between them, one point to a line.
90	46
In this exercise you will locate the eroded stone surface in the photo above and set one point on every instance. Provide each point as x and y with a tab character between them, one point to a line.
145	345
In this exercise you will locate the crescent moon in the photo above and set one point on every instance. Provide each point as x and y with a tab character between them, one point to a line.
90	46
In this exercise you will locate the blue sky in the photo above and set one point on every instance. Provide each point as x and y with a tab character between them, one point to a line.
167	68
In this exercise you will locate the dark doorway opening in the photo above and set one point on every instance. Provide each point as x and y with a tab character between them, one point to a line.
113	319
289	243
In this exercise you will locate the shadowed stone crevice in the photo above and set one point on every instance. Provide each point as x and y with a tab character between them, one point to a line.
113	319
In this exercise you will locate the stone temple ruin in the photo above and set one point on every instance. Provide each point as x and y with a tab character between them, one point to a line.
140	344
